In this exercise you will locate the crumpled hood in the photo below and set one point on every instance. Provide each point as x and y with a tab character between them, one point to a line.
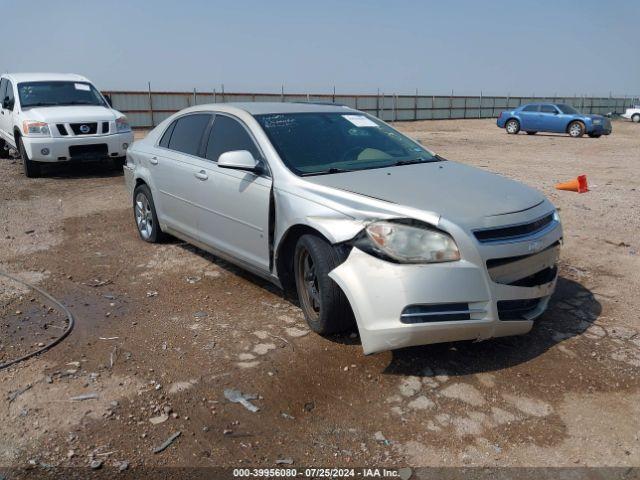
70	114
459	193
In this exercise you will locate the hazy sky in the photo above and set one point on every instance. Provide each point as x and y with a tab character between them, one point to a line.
517	47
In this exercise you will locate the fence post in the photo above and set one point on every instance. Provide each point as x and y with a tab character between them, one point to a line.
395	107
433	105
493	108
378	103
334	94
151	105
282	93
464	115
214	95
451	105
222	91
382	109
195	100
415	106
480	108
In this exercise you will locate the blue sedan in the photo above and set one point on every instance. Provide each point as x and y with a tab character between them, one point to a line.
556	118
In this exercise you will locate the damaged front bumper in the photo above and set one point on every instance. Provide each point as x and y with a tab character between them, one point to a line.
401	305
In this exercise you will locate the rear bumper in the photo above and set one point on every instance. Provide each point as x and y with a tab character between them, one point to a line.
380	291
59	147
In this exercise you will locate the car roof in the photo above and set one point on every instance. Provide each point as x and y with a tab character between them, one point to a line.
260	108
41	77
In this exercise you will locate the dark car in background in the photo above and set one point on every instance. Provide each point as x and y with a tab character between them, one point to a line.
555	118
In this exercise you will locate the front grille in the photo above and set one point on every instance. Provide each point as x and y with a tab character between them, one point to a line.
513	232
516	309
84	128
79	152
442	312
62	129
105	127
539	278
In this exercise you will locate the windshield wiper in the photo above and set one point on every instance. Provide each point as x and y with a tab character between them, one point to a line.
326	172
40	104
76	102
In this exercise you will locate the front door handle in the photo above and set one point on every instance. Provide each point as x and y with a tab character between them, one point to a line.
153	160
201	175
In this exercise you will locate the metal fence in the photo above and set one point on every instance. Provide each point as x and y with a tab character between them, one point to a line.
147	109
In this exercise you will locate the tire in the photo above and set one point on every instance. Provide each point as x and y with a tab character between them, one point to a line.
119	162
4	153
575	129
531	133
144	214
31	168
635	118
595	135
512	126
323	303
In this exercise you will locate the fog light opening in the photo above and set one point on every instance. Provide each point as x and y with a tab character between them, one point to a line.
125	146
45	151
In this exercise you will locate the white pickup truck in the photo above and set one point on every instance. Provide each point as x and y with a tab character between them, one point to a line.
48	117
633	114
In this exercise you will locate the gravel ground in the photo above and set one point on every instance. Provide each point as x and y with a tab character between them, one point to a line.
163	330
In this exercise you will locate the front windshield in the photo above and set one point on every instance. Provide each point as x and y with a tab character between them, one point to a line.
568	109
49	94
321	143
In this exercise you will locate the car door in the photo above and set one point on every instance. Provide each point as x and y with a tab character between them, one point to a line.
549	119
234	213
174	166
529	117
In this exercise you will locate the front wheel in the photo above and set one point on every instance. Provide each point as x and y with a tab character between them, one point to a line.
323	303
636	118
145	215
576	129
31	168
512	126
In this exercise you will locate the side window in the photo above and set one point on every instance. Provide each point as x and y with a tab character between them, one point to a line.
164	141
9	95
3	89
228	135
548	109
187	133
530	108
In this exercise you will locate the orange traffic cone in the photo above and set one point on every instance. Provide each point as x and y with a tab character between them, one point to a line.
578	185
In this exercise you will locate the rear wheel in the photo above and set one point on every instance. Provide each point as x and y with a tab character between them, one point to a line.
531	133
576	129
635	118
323	303
31	168
512	126
144	212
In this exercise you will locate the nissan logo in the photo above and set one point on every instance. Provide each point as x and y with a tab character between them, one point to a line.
84	128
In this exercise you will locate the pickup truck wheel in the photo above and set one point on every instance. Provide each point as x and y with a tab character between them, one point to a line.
323	303
512	126
31	168
576	129
144	212
531	133
635	118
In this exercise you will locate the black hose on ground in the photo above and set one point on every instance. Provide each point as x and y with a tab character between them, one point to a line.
53	343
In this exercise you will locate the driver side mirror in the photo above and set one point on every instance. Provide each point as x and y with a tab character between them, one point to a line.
238	160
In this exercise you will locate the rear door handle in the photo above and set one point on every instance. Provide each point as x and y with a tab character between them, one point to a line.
201	175
153	160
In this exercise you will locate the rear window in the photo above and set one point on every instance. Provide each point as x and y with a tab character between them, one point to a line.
187	133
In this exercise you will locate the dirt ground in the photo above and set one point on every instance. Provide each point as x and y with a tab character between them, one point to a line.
162	330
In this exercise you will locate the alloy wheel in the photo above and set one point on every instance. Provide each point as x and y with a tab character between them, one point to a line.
512	126
144	216
307	280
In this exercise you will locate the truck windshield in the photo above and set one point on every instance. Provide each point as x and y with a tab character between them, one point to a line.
50	94
319	143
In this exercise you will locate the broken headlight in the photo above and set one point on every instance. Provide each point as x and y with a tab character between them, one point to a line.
408	242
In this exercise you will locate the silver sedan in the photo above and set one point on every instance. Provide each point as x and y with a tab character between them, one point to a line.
371	229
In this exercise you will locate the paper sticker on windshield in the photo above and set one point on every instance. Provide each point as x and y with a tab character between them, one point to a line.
82	86
360	120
